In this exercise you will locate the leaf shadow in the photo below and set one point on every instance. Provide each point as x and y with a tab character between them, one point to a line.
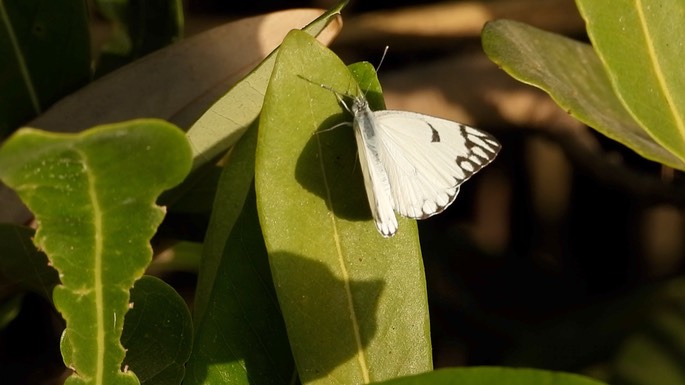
320	319
329	168
244	334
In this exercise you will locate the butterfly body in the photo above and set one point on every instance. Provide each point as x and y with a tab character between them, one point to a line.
376	180
413	164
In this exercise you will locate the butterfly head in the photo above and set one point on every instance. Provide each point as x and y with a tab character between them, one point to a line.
359	103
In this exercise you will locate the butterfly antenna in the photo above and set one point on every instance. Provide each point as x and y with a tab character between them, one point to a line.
378	67
338	95
380	63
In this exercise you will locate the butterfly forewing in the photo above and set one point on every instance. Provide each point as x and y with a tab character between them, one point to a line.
427	158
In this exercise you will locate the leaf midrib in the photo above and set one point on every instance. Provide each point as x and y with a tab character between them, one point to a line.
354	320
97	270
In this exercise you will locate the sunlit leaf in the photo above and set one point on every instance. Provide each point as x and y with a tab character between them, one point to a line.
575	78
639	43
93	196
354	303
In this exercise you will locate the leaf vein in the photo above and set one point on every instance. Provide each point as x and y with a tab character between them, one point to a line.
97	269
361	357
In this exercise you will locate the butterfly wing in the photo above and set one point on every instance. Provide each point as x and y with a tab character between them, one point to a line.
428	158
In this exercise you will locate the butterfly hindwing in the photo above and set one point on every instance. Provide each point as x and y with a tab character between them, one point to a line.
427	158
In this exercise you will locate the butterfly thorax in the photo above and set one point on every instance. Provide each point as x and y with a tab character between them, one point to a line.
365	122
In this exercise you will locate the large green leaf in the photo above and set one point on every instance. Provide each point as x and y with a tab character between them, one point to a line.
241	336
240	333
158	333
233	293
45	51
93	196
354	303
639	43
575	78
491	376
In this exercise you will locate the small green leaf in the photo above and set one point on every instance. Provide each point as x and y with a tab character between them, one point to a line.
574	77
239	329
354	303
45	51
93	196
221	126
491	376
639	43
158	333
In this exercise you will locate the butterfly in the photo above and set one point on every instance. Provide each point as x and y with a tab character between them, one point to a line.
414	164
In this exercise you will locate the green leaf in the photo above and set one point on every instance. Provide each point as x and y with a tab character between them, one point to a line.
45	51
93	196
639	44
239	328
158	333
240	335
233	187
354	303
221	126
574	77
493	375
138	28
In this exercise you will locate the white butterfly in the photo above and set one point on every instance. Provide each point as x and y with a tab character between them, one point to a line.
414	163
